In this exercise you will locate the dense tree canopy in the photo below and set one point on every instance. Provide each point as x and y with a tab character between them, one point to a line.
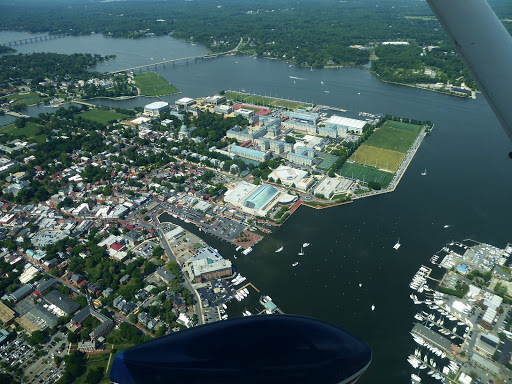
311	32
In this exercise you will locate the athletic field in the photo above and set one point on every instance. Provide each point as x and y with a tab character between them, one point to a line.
366	174
328	162
263	100
151	84
400	125
102	116
395	139
378	157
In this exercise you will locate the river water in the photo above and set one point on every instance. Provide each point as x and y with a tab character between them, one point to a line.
467	186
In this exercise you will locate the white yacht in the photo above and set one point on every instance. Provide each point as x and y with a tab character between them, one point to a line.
397	245
295	264
279	249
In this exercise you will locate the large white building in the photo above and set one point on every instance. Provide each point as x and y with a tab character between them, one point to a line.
156	108
292	177
253	199
332	186
224	109
345	125
185	102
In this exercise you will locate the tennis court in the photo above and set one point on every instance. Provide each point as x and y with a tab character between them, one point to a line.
328	162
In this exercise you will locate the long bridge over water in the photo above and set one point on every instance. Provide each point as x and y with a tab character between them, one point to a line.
34	39
173	61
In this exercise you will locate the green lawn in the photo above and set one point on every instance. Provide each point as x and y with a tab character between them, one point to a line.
101	360
364	173
396	139
263	100
151	84
328	162
27	98
400	125
378	157
102	116
30	131
94	361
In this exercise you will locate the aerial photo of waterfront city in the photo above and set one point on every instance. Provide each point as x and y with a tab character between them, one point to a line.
165	169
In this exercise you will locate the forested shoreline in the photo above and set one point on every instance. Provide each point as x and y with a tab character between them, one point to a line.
309	33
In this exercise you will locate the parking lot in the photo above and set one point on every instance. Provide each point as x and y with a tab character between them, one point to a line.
19	354
224	228
216	293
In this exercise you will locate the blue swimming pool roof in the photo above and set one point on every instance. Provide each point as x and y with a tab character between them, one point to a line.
260	197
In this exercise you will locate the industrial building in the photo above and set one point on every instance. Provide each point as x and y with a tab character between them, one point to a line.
156	108
248	153
345	125
487	344
302	156
491	312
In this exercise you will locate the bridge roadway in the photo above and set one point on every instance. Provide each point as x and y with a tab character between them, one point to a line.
15	114
32	40
208	56
147	66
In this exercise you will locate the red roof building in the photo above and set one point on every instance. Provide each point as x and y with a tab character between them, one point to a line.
116	246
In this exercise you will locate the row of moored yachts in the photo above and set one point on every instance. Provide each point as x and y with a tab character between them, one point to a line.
239	279
242	294
419	280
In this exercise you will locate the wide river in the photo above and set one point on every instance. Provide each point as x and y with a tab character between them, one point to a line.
468	186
